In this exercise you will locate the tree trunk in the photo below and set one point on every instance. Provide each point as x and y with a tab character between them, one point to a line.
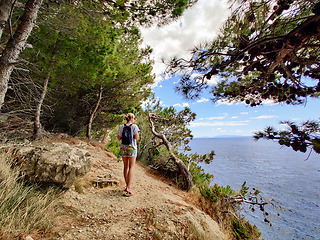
16	45
93	114
182	167
5	9
37	124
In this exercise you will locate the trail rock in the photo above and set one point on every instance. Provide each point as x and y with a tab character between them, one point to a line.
57	163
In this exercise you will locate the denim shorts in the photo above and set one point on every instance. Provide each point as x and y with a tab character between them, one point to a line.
128	151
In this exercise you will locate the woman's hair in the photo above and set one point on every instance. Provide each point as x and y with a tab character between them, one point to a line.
129	116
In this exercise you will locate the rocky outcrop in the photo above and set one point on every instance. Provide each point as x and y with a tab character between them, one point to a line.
57	163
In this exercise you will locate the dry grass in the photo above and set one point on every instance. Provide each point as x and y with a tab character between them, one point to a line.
24	209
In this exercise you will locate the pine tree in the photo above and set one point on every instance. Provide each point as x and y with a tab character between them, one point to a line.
266	50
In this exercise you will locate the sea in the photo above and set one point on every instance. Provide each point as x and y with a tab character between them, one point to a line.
289	181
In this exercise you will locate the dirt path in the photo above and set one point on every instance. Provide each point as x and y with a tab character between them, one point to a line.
155	211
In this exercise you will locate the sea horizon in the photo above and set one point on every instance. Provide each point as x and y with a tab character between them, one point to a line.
225	136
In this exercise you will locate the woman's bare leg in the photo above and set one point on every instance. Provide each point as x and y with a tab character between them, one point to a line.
131	164
125	169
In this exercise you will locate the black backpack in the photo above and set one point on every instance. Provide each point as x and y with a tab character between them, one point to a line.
126	138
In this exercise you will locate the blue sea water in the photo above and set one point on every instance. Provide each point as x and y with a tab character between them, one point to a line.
283	176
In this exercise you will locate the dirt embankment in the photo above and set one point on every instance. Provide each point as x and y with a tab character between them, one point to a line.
155	211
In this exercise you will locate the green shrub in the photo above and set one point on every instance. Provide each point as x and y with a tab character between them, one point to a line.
242	229
216	192
199	176
114	144
239	231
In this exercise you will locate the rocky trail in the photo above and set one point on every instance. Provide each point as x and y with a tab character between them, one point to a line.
97	209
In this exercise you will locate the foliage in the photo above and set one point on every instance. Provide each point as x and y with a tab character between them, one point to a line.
143	12
267	49
86	47
88	55
196	158
299	138
242	229
199	175
173	124
244	189
114	144
23	208
239	231
218	203
216	192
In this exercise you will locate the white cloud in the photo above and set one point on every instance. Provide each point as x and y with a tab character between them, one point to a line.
181	105
220	117
213	81
269	102
234	117
200	119
227	102
203	100
244	113
219	124
198	24
265	117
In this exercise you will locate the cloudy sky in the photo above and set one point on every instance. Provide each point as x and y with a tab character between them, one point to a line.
200	24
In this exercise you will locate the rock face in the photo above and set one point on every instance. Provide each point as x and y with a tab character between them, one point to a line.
57	163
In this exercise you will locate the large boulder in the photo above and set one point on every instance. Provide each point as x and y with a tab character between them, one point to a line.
57	163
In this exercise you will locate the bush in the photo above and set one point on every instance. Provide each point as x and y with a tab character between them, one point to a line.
242	229
216	192
239	231
114	144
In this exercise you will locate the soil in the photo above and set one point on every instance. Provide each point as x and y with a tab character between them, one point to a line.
96	208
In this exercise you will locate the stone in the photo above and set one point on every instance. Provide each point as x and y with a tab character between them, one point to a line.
101	183
55	163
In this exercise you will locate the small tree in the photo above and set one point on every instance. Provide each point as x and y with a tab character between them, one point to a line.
168	125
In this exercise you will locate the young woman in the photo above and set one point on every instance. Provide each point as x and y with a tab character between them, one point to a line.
128	150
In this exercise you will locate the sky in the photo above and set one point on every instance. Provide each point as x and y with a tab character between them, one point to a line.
199	24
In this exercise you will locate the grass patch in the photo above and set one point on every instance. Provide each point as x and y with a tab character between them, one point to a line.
24	208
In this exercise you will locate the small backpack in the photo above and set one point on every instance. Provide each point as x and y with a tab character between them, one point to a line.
126	138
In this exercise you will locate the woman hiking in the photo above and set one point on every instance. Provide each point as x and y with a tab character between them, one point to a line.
128	134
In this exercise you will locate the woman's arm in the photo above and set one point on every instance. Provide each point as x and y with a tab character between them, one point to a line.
136	136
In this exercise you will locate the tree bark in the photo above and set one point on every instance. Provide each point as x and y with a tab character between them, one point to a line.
16	45
37	124
182	167
94	113
5	9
